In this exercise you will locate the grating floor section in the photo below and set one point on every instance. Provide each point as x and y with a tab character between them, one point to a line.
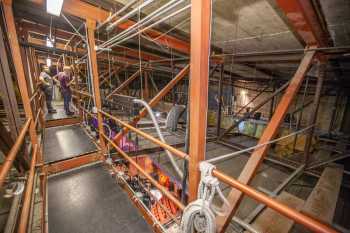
88	200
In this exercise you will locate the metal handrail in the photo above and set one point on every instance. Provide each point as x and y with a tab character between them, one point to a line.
144	173
22	227
173	150
298	217
6	166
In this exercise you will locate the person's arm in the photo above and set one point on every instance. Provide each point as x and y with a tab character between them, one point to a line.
71	81
55	80
42	80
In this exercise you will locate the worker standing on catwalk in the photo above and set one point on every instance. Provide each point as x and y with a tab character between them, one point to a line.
47	83
66	79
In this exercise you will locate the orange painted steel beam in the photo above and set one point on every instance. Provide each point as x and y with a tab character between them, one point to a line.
144	173
285	210
124	84
72	163
62	122
155	100
147	136
246	176
305	22
198	90
89	12
10	157
91	25
115	71
18	64
26	208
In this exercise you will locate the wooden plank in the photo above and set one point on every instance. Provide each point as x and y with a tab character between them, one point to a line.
322	201
272	222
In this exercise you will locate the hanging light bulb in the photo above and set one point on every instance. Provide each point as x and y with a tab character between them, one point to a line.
54	7
48	62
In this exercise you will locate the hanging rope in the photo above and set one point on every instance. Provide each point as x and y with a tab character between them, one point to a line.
199	215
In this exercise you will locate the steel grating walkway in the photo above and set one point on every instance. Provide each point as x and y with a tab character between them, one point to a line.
87	199
66	142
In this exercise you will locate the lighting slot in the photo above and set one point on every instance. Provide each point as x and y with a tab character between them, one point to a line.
54	7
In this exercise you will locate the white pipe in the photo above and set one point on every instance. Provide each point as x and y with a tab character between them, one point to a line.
131	13
142	22
129	4
152	25
153	118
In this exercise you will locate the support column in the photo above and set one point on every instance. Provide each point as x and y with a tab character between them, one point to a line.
218	122
313	115
199	79
17	60
91	25
8	92
146	90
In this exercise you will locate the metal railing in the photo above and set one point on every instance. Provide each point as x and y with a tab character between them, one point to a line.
283	209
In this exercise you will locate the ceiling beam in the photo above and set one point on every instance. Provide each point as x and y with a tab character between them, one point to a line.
87	11
304	20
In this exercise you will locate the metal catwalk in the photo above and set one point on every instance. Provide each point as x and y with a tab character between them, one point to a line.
65	142
88	200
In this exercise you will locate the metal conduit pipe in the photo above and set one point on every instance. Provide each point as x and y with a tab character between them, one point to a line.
128	5
156	125
142	22
22	227
7	164
128	15
152	25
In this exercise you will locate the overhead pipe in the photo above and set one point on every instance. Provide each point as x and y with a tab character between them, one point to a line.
111	17
128	15
152	25
142	22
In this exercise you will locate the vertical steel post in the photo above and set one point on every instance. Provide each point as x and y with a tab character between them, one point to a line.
218	120
200	45
146	89
21	78
8	91
313	114
91	25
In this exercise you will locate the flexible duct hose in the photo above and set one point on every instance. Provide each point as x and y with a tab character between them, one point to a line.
169	154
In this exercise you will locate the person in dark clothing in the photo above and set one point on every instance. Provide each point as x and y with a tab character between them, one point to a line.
47	83
66	80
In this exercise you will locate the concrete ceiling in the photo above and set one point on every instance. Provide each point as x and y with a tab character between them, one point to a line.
239	26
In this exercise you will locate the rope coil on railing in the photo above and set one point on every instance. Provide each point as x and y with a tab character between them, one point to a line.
199	215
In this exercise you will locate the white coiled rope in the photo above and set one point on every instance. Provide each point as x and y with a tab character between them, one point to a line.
199	216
